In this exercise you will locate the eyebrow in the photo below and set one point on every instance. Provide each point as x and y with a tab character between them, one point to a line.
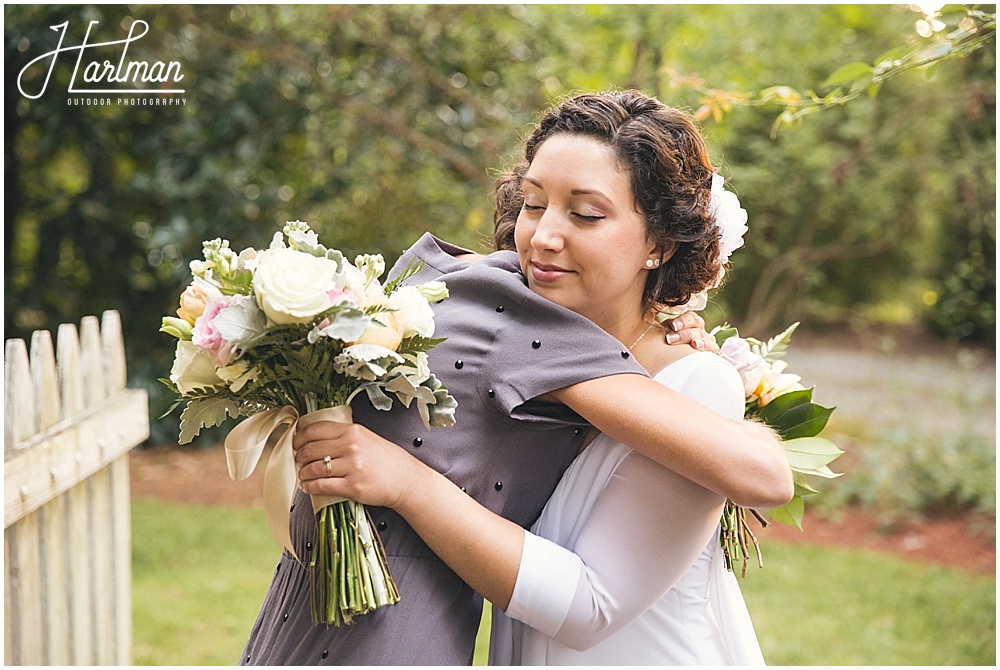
575	191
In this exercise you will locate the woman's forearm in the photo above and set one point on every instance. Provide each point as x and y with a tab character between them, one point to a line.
483	548
741	460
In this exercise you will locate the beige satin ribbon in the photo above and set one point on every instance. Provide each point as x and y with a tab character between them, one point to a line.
245	444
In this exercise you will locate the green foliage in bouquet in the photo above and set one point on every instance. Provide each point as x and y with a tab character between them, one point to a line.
778	400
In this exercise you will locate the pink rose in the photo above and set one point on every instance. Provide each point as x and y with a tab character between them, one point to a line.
752	367
195	299
207	336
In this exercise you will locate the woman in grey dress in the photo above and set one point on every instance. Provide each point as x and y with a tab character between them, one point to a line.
507	347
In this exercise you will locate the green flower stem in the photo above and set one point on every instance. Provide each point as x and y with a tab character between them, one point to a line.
342	565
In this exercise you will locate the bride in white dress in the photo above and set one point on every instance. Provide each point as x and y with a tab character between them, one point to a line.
607	585
615	213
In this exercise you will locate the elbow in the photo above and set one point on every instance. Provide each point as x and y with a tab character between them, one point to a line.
781	489
581	640
771	484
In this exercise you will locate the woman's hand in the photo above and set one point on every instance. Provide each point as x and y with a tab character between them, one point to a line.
362	466
689	328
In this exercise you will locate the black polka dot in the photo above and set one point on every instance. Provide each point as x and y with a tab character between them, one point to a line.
624	354
417	441
309	546
498	486
536	344
491	393
292	508
382	525
248	659
499	308
459	364
326	652
463	489
284	617
576	431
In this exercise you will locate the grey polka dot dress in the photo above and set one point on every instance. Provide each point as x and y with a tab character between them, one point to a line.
505	347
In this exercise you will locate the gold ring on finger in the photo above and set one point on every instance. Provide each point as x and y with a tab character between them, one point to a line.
329	470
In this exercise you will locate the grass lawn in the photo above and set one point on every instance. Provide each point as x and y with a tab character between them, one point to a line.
200	574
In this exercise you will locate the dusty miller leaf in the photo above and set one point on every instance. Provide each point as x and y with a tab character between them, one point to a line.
205	412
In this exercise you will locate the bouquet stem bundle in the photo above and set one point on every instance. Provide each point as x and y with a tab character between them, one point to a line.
348	568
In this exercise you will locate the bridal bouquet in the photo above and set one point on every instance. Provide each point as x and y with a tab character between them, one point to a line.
777	399
289	335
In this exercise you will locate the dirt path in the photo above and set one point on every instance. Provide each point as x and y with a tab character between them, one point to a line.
199	476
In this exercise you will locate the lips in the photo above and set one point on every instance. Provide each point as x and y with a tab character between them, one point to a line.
548	273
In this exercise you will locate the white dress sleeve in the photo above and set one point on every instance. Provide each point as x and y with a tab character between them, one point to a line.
645	530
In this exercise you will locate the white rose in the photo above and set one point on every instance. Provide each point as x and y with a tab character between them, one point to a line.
292	287
414	314
192	369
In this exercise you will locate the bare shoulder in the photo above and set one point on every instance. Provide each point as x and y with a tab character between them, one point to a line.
657	354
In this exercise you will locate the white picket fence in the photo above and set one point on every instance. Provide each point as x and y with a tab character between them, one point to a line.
69	423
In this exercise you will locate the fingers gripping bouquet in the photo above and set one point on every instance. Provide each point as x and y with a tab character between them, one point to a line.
289	335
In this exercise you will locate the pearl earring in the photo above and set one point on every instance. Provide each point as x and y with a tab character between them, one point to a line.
649	263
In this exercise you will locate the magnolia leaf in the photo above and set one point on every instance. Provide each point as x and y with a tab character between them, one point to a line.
822	471
804	420
802	488
205	412
809	454
846	73
784	402
789	514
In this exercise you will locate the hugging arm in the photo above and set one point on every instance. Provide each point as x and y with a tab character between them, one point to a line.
644	531
740	460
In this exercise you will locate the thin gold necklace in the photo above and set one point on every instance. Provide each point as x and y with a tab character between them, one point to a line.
639	339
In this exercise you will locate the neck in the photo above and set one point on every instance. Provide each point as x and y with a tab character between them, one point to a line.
626	328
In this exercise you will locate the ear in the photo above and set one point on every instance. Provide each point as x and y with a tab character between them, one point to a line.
665	251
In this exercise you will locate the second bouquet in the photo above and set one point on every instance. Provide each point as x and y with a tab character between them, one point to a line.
290	335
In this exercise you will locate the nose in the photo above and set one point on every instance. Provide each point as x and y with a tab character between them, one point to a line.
548	234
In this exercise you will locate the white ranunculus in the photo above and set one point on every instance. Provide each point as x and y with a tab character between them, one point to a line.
293	287
192	369
384	331
414	314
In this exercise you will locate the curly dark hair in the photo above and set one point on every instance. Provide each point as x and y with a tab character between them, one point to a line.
662	151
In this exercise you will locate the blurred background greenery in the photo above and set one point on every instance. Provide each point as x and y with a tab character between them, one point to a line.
376	123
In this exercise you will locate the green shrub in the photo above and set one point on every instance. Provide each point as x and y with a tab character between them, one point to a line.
904	473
